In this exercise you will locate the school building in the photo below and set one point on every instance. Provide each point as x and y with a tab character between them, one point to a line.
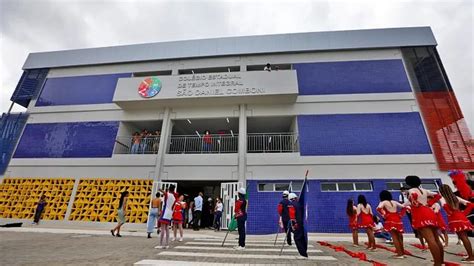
359	109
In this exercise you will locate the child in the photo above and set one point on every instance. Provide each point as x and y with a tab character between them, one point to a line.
351	212
441	224
423	217
389	209
178	217
364	211
457	220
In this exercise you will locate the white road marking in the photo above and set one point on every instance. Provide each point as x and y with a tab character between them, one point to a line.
191	263
240	256
236	240
234	244
246	249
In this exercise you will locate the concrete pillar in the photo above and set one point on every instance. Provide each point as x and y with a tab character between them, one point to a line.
71	200
242	143
162	147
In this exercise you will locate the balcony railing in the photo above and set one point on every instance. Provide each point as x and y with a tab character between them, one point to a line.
272	142
193	144
145	145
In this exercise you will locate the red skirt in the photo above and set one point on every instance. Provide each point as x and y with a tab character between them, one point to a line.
423	216
458	222
441	223
393	221
366	220
353	222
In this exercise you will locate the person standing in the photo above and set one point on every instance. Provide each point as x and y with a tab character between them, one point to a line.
178	217
297	225
423	217
389	209
190	214
136	143
441	224
351	212
207	141
218	214
366	221
166	216
284	217
457	220
153	214
121	213
197	211
240	214
40	206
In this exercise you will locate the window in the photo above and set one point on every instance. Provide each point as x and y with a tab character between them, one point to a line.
209	70
280	187
430	185
346	186
152	73
395	186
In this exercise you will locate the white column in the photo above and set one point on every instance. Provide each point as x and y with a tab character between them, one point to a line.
242	143
164	140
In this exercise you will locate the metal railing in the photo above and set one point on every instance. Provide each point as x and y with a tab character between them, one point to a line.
272	142
145	145
201	144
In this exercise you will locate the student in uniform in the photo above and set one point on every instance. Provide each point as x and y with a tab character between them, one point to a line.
366	220
423	217
351	212
392	211
240	214
284	217
297	226
457	220
178	217
166	216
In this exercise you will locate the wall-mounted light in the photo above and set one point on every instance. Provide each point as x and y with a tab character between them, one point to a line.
232	133
269	139
227	120
189	121
197	133
192	71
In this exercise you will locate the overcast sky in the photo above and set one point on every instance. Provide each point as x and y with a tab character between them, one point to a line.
36	25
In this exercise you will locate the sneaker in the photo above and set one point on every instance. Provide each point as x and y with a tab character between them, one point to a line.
173	239
158	247
301	258
240	248
112	232
118	235
181	239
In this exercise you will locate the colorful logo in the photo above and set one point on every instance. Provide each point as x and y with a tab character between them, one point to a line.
149	87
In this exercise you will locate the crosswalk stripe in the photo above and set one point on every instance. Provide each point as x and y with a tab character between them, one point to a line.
246	249
236	240
191	263
233	244
240	256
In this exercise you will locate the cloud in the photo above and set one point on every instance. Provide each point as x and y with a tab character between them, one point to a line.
30	26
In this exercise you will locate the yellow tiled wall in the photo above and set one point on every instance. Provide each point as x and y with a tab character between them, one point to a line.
97	200
19	196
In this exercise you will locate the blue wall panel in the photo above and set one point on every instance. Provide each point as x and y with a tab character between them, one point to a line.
326	210
349	77
362	134
79	90
67	140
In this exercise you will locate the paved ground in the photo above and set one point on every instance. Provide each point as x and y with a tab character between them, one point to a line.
42	246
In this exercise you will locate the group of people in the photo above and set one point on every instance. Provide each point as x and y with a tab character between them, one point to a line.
423	208
169	209
145	142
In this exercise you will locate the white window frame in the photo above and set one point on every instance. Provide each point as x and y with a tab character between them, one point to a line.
277	183
353	186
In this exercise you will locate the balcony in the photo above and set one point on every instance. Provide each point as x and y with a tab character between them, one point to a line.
128	145
198	144
272	142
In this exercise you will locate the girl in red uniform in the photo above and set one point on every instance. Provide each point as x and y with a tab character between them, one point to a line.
423	217
441	224
351	212
457	219
366	220
178	217
388	208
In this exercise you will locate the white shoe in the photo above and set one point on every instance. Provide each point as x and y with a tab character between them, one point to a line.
166	247
301	258
158	247
181	239
173	239
239	248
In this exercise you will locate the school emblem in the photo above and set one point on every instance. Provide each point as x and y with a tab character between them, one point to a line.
149	87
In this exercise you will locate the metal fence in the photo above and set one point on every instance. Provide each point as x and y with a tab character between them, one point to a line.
272	142
202	144
146	145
